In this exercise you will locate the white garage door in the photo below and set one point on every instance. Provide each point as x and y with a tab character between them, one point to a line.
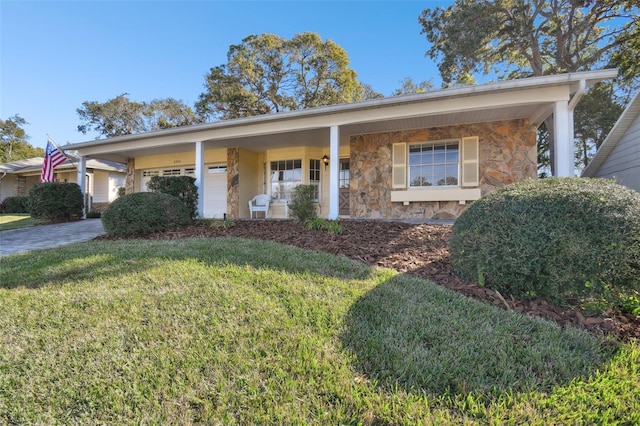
215	191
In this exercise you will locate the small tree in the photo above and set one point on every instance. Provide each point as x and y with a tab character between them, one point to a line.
303	203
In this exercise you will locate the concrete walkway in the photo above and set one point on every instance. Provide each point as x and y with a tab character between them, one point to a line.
48	236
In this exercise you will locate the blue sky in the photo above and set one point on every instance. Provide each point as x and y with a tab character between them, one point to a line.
54	55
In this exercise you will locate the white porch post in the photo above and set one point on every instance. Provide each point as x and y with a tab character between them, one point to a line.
563	122
199	171
334	167
81	180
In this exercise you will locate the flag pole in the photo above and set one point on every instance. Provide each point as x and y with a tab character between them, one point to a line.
62	151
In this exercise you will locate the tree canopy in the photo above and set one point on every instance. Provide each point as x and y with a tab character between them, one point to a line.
519	38
523	38
121	116
408	86
267	74
14	141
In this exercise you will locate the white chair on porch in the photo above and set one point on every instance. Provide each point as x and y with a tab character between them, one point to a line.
260	203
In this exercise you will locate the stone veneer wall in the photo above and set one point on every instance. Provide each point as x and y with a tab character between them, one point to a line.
233	182
508	154
130	178
21	186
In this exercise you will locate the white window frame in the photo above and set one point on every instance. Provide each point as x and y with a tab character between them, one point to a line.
433	164
291	182
315	176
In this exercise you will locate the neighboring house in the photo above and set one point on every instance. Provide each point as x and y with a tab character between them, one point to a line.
417	156
102	179
619	155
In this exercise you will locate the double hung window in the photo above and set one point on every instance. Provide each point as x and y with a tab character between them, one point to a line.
285	175
434	164
450	163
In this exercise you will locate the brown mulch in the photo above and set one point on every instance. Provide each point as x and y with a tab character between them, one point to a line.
419	249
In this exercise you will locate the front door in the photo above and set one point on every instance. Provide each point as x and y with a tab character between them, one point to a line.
344	187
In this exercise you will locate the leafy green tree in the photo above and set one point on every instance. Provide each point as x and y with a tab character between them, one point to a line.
408	86
168	113
121	116
521	38
594	117
267	74
14	143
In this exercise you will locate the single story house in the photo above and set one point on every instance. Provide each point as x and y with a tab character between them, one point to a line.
417	156
619	155
102	178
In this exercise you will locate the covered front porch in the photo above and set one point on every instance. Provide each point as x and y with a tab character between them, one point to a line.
489	128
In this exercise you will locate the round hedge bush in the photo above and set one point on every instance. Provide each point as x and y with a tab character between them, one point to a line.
562	239
144	213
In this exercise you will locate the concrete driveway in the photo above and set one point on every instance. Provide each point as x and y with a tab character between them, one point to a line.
48	236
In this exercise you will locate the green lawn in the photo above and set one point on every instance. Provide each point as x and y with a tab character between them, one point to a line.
17	220
229	331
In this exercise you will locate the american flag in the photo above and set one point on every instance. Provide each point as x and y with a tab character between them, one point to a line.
52	158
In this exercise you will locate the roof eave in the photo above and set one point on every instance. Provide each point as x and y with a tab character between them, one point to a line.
572	79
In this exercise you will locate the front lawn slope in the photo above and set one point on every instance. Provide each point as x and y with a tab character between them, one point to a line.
231	331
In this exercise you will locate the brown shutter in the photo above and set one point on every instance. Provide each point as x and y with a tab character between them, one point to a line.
470	161
399	169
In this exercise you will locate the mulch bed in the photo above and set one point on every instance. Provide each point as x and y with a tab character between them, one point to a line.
418	249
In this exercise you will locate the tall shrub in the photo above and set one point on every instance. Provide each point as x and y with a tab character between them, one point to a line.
56	201
564	239
183	187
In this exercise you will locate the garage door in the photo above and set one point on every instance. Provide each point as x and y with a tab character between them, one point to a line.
145	178
215	191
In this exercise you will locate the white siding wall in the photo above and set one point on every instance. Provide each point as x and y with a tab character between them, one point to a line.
116	180
623	163
8	186
100	186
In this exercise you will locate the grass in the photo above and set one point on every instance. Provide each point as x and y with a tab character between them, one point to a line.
229	331
17	220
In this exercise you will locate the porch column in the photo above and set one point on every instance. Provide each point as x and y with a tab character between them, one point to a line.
199	171
81	180
334	170
562	121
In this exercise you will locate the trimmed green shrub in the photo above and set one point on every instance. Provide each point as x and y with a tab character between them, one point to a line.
56	201
303	205
144	213
567	240
183	187
15	205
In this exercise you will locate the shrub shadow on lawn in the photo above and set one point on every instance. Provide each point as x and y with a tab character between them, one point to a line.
408	333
